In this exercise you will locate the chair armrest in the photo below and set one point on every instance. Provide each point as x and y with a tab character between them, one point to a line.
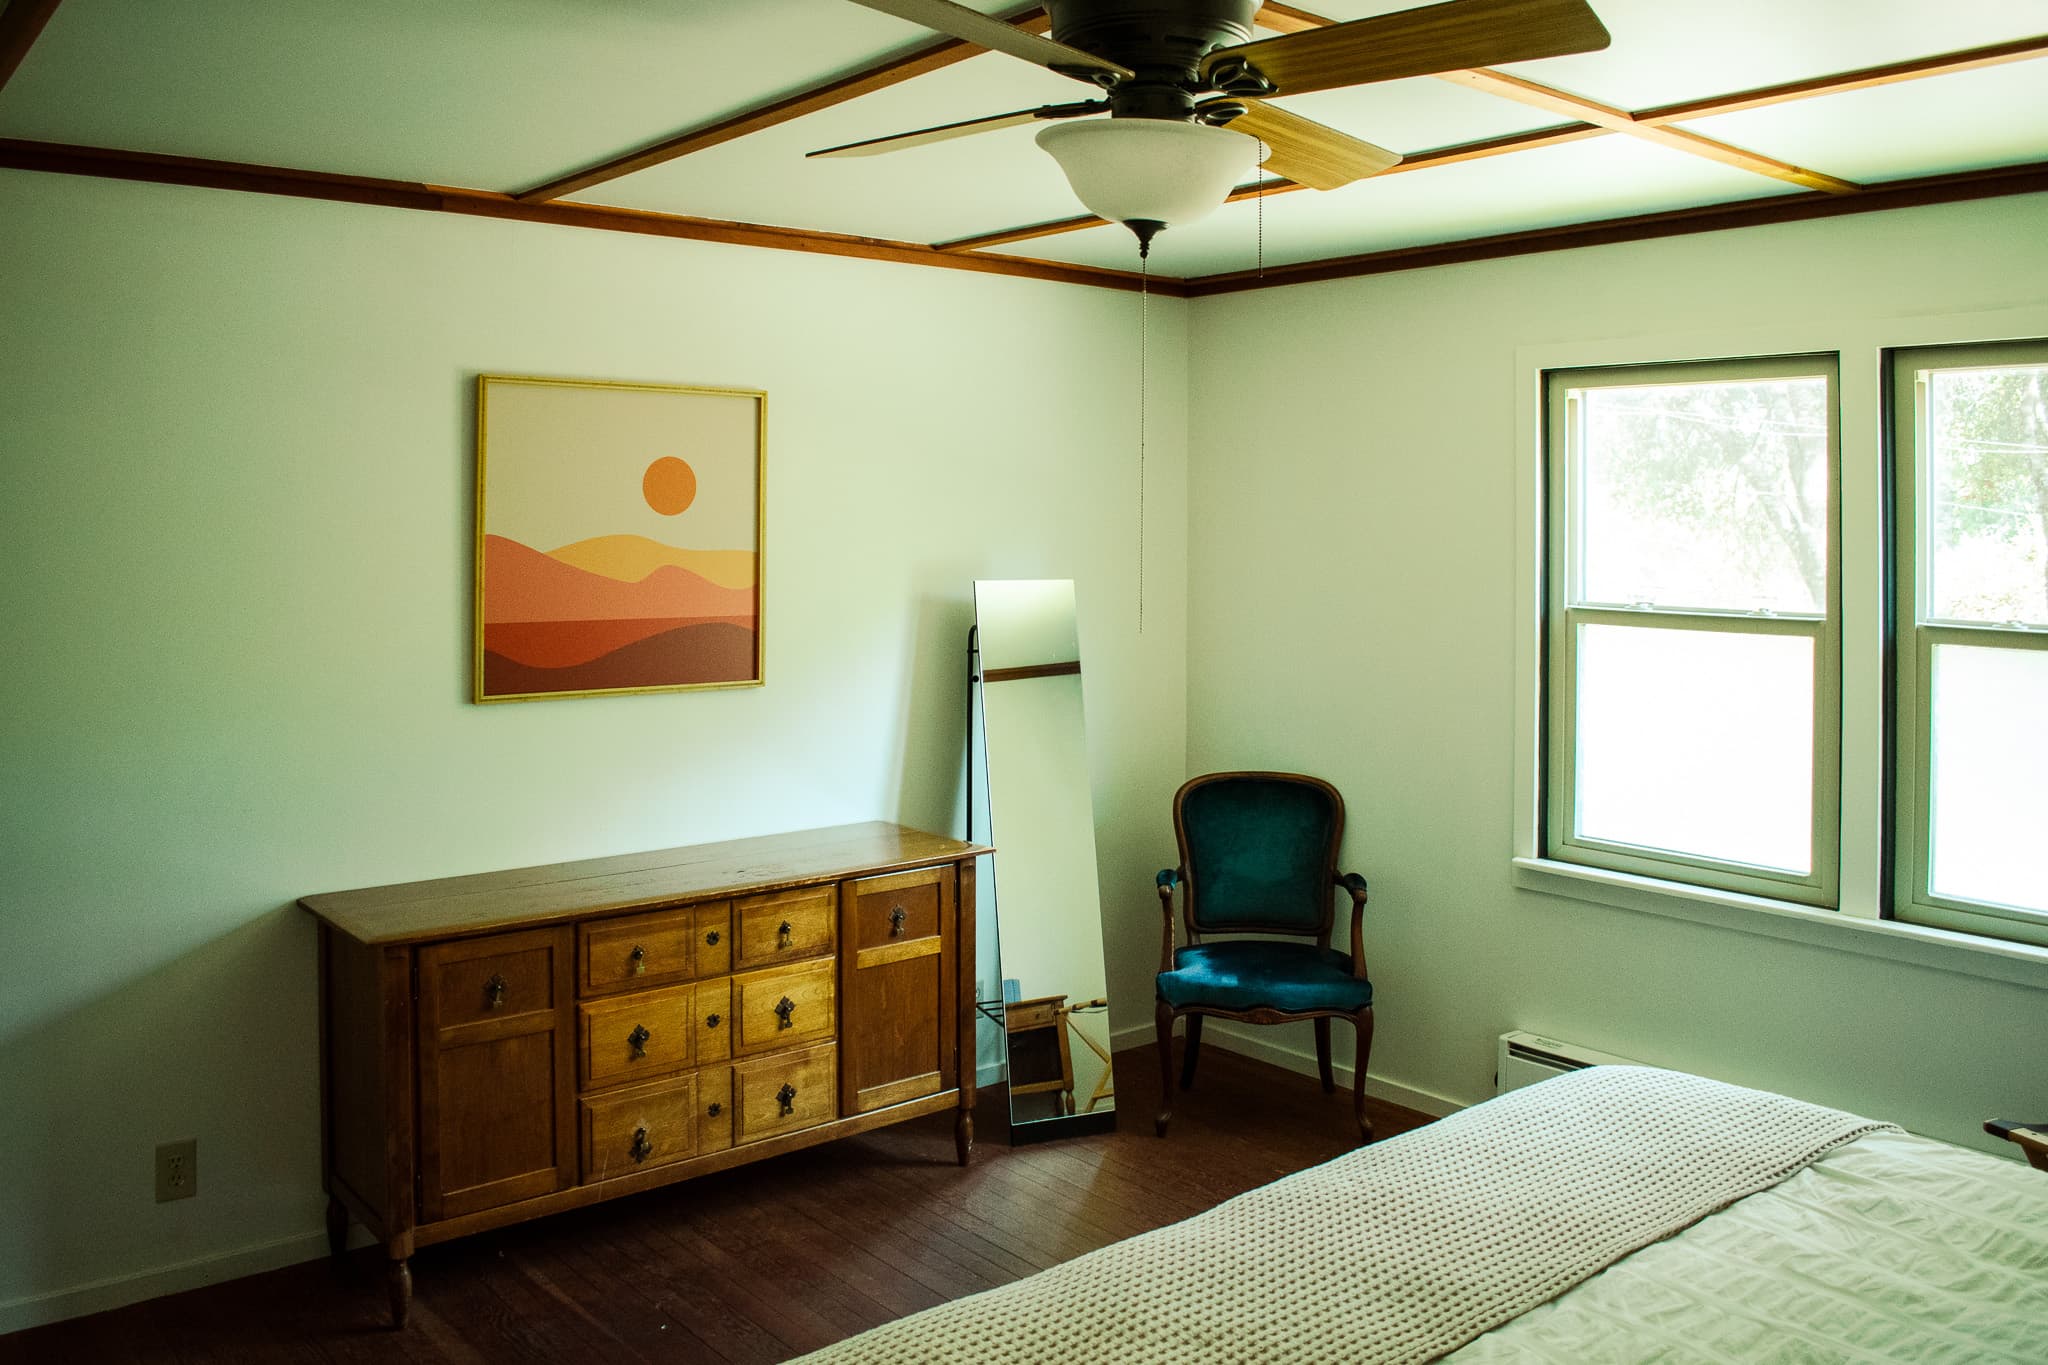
2031	1137
1167	879
1355	884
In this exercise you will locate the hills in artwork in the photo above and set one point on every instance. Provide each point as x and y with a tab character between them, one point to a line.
615	612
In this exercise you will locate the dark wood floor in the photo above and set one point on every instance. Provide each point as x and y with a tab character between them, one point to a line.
766	1262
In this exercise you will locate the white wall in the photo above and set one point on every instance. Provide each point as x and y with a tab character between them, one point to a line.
1354	613
235	540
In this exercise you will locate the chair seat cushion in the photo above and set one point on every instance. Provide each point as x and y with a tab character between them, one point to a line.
1248	974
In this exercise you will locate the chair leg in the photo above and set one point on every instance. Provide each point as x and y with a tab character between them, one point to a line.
1323	1054
1163	1017
1191	1052
1363	1022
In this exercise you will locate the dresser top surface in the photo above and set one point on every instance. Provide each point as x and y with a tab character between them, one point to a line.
415	912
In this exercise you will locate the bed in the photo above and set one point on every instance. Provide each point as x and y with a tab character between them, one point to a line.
1622	1214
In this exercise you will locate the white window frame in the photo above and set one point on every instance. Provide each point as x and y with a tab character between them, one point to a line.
1917	633
1563	616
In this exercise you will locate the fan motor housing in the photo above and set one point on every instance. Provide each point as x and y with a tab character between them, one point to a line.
1161	40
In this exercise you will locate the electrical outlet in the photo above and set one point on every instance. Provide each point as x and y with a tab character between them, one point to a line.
177	1170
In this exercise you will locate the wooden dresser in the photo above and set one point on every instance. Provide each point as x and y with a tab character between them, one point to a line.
505	1045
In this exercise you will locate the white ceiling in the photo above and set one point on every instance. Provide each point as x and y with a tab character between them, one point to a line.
500	95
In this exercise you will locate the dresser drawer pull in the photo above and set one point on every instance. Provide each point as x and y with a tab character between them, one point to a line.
786	1097
896	918
636	961
494	992
716	1109
783	1009
643	1146
637	1040
782	933
712	938
711	1021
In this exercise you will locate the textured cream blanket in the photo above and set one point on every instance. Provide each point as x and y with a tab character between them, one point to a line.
1402	1251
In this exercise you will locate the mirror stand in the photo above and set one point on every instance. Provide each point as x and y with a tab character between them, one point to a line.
1051	1014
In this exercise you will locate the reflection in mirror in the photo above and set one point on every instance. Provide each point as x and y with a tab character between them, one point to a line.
1053	1010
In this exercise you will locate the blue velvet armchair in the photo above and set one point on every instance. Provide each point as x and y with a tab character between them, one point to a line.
1258	855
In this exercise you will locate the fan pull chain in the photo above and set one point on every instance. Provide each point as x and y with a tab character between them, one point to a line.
1144	300
1260	198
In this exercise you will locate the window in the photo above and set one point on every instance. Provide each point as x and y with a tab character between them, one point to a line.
1970	430
1692	639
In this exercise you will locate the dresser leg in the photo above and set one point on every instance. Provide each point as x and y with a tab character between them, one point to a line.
963	1135
398	1285
337	1227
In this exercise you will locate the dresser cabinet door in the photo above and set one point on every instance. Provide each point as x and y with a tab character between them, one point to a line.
899	1012
496	1070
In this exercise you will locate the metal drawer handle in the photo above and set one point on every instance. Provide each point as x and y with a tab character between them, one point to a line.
716	1109
711	1021
636	961
782	939
494	993
643	1146
896	918
783	1009
712	938
786	1097
637	1040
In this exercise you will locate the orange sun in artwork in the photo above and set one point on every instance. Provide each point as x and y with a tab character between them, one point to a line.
670	485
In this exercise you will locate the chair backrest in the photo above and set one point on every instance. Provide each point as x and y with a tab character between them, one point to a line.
1258	852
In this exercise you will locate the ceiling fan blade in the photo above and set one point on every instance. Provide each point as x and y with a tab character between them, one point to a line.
1307	152
946	132
944	16
1417	42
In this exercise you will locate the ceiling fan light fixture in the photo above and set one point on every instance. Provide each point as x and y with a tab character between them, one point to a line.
1157	171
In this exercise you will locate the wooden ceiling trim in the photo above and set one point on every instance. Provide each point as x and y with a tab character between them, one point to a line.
1621	121
153	168
2028	178
1417	161
21	23
925	60
1291	20
1946	64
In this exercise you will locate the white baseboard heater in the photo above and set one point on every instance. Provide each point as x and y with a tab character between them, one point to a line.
1526	1058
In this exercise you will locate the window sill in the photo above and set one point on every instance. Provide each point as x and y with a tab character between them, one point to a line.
1942	949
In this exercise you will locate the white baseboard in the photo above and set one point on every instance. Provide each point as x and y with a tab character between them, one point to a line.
118	1291
1261	1045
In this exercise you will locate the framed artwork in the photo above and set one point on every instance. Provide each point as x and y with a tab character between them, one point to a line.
618	537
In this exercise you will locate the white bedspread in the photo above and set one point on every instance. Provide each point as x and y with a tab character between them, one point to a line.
1893	1247
1402	1251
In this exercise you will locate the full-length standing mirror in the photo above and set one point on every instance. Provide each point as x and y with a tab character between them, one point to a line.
1053	1012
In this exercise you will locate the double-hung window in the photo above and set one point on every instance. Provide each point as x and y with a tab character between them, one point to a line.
1970	431
1692	640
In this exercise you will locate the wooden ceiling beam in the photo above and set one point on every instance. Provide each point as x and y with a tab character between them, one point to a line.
1869	77
21	23
1416	161
1288	19
1621	121
152	168
921	62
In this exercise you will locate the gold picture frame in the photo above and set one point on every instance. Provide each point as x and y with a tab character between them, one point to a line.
620	537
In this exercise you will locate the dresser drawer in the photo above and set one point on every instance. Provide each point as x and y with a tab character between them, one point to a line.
713	938
785	1007
895	910
714	1022
784	927
785	1093
636	951
469	982
634	1130
714	1109
636	1037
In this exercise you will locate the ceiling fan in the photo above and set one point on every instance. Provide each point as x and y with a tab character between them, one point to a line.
1186	89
